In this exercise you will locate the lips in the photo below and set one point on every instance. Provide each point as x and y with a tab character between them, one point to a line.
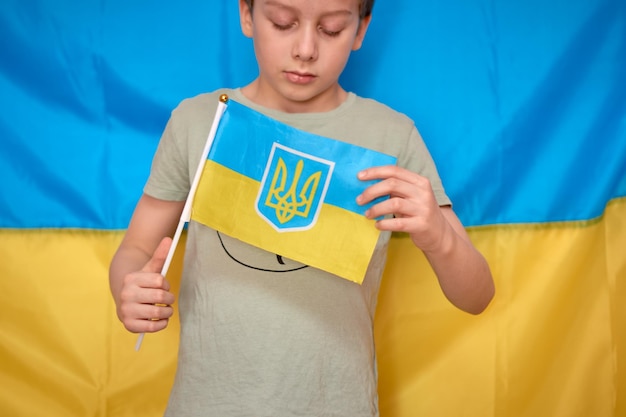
299	77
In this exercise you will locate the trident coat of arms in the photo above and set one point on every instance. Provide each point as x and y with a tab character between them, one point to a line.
293	188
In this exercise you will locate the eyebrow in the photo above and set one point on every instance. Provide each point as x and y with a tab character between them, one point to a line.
278	4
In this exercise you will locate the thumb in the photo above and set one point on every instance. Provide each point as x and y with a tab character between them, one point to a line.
155	264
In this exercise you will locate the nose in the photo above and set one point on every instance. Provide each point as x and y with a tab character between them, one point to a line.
305	46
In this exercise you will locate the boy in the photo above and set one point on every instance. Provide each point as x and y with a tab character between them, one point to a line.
261	335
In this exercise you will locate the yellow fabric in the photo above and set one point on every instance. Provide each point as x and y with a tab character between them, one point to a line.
553	342
63	351
311	247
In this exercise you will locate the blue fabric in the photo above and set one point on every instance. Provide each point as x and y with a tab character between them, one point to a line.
522	104
244	143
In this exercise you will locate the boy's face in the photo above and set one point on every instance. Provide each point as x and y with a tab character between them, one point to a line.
301	46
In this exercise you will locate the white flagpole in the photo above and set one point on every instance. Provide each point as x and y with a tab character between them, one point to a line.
186	214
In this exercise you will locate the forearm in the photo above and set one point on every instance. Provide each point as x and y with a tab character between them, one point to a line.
463	273
152	220
126	260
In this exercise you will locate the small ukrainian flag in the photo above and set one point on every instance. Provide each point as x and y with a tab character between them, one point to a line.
289	192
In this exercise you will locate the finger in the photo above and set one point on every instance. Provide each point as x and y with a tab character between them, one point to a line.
392	187
155	264
137	281
395	208
146	326
154	312
384	208
382	172
393	224
132	316
155	296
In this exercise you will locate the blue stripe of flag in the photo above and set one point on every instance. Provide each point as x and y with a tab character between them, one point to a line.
244	140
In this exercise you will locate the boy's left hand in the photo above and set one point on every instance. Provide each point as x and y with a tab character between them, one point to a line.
463	273
411	202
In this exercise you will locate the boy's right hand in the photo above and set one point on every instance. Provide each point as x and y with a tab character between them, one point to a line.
145	300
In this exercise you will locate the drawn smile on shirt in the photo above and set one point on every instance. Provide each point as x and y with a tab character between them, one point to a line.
248	256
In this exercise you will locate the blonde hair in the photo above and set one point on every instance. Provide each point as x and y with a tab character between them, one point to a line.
365	7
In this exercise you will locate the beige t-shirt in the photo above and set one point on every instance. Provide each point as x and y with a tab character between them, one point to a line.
263	335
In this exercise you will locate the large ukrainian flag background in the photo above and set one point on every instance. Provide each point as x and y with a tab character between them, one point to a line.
523	105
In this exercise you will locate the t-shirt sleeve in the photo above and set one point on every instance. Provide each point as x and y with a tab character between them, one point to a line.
417	158
169	173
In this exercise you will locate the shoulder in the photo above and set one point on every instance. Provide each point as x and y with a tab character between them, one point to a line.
199	105
194	116
376	111
375	125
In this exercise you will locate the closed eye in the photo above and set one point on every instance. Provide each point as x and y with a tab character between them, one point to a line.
331	33
283	27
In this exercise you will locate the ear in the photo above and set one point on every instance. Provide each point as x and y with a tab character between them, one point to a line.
360	34
245	18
